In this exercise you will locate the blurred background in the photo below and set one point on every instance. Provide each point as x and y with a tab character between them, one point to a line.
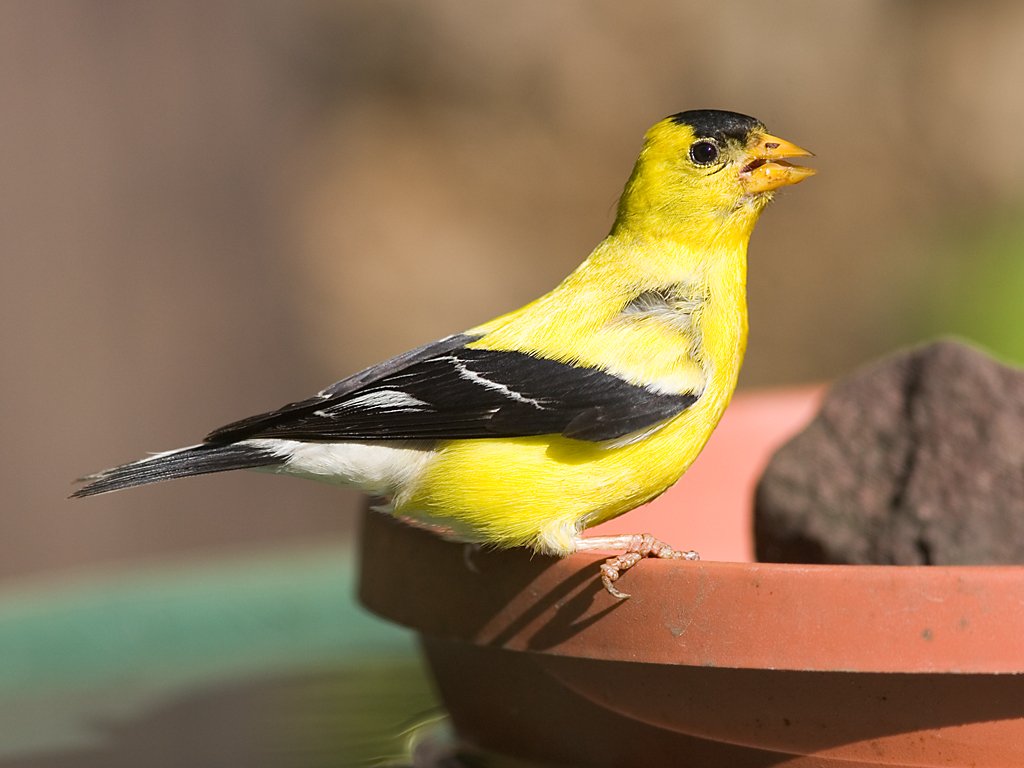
212	208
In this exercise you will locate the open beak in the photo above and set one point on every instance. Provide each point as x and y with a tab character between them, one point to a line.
766	168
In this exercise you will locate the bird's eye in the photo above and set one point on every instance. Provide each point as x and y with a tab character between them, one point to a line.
703	152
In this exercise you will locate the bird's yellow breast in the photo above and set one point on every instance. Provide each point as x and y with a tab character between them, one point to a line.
675	322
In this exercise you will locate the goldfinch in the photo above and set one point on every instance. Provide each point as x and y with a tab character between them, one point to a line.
576	408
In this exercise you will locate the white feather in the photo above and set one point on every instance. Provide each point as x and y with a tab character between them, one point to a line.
377	467
496	386
164	454
385	400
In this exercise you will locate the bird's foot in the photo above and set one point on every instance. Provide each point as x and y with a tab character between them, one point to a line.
636	548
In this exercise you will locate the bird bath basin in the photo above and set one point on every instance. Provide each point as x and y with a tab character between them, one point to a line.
716	662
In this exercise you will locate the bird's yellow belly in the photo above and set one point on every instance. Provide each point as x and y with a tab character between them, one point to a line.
541	491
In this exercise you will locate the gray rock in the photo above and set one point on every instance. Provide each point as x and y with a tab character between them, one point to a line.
918	459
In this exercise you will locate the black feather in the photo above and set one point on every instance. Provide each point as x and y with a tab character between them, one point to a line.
198	460
263	422
441	391
465	393
718	124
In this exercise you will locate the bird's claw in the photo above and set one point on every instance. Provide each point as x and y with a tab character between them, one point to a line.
638	548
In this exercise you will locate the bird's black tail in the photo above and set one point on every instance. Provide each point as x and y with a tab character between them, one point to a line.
196	460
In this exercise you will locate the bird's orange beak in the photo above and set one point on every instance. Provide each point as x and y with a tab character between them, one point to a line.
767	169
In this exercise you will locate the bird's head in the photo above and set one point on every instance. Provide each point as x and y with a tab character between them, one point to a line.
705	174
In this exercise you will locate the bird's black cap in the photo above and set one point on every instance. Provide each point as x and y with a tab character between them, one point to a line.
718	125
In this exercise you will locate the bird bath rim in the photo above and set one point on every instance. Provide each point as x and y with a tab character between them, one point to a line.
850	618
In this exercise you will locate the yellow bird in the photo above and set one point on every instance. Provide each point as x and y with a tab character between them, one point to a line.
574	409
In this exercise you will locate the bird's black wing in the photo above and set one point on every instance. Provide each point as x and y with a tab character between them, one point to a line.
447	391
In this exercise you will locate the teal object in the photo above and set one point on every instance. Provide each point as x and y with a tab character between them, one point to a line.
111	644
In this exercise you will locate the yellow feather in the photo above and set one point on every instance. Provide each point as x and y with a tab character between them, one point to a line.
677	225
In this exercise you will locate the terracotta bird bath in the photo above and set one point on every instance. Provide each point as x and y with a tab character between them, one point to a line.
713	663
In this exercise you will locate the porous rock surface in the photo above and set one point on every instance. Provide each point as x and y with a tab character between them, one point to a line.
917	459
